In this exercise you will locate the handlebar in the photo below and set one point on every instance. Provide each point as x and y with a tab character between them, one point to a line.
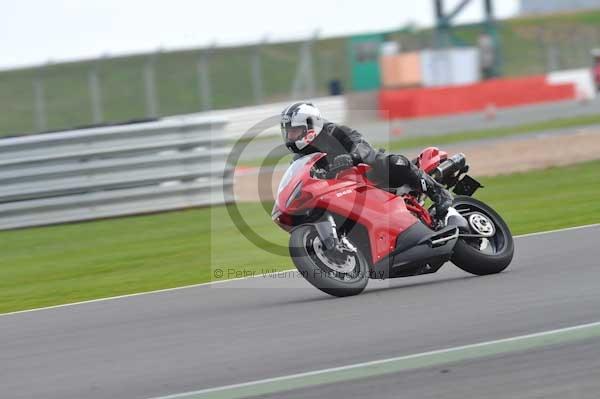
329	173
333	171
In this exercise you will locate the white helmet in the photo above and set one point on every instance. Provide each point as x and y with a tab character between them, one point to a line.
301	123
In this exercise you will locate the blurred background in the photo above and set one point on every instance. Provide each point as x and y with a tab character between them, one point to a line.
123	108
79	72
140	150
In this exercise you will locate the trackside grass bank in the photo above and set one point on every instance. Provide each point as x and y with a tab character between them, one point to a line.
525	43
62	264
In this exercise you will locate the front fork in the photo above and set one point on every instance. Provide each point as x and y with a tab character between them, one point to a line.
327	231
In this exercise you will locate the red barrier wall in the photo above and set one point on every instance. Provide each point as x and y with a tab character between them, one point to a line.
412	103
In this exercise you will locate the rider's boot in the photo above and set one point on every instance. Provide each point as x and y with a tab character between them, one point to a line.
441	198
419	180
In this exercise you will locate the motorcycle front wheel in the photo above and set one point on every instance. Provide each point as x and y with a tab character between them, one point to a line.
344	275
488	248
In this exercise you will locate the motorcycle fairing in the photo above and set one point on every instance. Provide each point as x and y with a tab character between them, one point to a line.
383	214
352	196
419	250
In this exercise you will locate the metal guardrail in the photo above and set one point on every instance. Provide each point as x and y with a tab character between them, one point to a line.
112	171
263	119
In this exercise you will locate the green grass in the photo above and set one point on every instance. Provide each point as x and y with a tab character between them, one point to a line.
61	264
454	138
546	200
524	43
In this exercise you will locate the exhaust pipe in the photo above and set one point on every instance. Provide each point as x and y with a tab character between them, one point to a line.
449	167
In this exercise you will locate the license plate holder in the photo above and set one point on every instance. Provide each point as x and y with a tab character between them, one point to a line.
467	186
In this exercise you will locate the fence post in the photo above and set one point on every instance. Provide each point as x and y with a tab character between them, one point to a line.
549	56
95	95
39	98
304	83
553	58
257	81
152	106
204	87
327	62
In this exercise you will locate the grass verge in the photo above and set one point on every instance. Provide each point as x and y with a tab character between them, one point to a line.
62	264
524	45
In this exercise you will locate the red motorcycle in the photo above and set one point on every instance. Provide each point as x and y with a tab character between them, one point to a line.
345	228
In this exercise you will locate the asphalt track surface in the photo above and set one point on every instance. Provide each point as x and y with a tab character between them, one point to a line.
214	335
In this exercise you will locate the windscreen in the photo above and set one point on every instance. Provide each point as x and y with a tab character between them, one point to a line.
294	168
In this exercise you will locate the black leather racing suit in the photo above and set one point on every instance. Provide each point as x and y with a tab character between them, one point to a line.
388	170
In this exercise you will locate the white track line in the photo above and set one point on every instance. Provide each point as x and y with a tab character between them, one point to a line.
236	279
440	356
541	233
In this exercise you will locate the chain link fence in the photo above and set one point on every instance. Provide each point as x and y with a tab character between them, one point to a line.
115	90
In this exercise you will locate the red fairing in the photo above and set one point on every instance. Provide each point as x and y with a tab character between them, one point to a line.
430	158
383	214
350	195
292	178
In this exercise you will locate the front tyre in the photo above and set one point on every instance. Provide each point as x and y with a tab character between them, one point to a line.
344	276
488	248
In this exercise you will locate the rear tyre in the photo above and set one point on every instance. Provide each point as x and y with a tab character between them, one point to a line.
482	256
342	277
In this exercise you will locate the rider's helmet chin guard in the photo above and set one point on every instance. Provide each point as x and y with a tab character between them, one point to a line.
301	123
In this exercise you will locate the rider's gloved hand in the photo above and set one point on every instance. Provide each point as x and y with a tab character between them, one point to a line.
342	162
356	158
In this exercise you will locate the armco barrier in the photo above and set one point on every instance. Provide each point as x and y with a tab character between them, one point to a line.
243	120
111	171
413	103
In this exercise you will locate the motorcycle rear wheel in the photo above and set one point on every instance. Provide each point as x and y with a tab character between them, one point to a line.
328	275
482	256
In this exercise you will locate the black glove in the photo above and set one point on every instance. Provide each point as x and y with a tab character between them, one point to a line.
342	162
356	158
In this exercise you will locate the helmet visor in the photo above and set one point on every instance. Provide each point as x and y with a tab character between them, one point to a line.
295	133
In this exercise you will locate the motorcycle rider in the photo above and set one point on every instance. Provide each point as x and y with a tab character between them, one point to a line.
305	131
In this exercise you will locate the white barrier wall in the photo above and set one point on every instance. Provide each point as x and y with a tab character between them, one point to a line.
581	78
